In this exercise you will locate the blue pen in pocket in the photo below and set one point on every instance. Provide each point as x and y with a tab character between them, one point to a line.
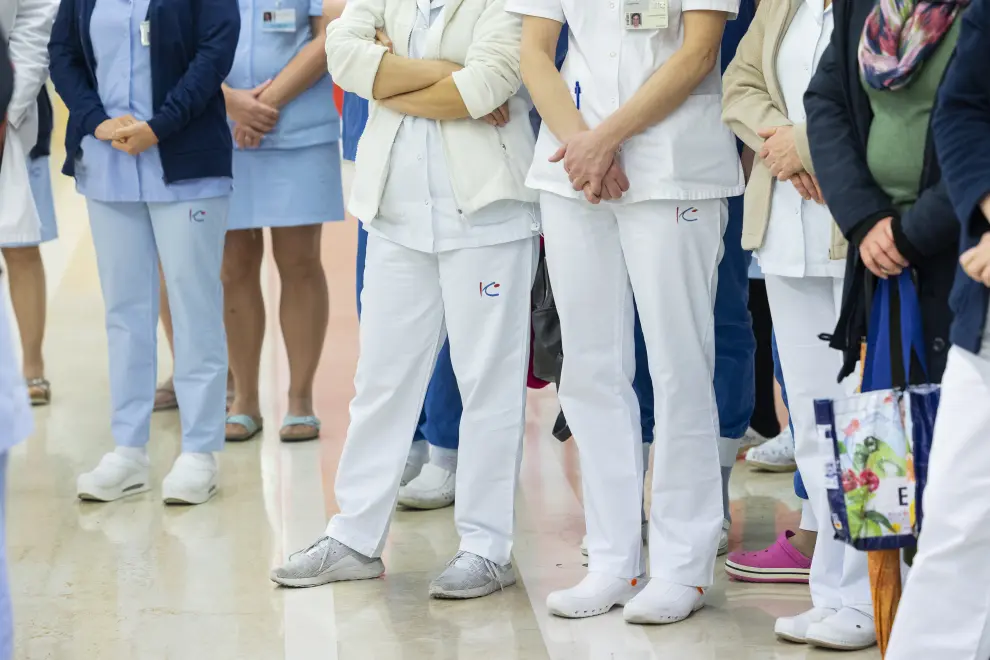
577	94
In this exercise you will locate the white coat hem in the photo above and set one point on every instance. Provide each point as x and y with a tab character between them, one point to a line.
663	193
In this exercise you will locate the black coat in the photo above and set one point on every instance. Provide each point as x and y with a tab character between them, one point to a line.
962	131
927	234
6	76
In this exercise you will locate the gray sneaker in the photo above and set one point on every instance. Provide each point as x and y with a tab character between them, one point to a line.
470	576
327	560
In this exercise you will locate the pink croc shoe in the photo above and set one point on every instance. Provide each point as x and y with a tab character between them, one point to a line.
781	562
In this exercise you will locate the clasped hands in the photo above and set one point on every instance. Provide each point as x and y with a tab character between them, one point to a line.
589	158
127	134
254	116
780	155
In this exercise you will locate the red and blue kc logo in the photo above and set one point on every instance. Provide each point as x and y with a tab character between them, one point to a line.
489	290
690	214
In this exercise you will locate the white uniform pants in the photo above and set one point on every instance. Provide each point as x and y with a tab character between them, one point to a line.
667	253
187	237
411	301
945	611
803	308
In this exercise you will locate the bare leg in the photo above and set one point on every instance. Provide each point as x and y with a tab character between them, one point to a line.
304	310
804	541
244	316
30	299
783	417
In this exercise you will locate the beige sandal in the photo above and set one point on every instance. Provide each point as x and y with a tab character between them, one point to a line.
165	398
39	391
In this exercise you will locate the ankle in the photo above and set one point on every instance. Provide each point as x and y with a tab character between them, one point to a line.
301	406
804	542
242	405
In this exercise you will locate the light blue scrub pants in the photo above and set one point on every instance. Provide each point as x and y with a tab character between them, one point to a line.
6	615
188	238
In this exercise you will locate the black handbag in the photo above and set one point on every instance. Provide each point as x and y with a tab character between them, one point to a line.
548	352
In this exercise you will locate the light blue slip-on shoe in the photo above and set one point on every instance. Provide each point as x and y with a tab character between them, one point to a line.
296	428
252	427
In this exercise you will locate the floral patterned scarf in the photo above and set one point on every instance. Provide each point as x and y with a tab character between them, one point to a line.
899	37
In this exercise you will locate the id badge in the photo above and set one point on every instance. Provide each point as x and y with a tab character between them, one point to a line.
145	33
645	14
278	20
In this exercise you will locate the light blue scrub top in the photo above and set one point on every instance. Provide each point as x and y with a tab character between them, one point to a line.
123	78
311	118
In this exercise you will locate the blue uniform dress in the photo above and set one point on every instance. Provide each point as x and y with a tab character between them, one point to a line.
137	219
293	178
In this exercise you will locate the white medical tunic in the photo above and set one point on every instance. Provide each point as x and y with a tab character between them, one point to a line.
690	155
418	209
799	235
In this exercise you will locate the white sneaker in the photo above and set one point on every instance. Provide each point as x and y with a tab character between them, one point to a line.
846	630
723	539
752	438
115	477
596	594
432	489
645	532
795	628
663	602
775	455
192	480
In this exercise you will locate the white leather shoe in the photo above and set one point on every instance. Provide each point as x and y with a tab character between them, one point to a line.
192	479
795	628
846	630
596	594
115	477
434	488
664	602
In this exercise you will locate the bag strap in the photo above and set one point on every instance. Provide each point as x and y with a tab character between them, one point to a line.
878	369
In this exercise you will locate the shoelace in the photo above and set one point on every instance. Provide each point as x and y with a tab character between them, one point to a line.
490	567
326	552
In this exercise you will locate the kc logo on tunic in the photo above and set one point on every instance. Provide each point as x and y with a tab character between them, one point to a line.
690	214
489	290
197	216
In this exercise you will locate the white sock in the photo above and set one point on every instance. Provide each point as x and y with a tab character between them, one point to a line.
647	446
808	521
419	452
444	458
136	454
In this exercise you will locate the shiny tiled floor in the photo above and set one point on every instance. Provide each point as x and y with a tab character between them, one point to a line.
134	580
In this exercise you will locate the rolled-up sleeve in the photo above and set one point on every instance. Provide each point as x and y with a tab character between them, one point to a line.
730	7
353	57
491	72
551	9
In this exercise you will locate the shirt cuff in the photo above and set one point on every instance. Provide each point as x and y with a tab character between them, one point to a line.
903	243
731	7
551	9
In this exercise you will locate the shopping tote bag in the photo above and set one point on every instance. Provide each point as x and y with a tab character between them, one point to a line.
881	437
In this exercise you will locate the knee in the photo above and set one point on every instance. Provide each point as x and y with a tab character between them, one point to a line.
298	262
242	258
